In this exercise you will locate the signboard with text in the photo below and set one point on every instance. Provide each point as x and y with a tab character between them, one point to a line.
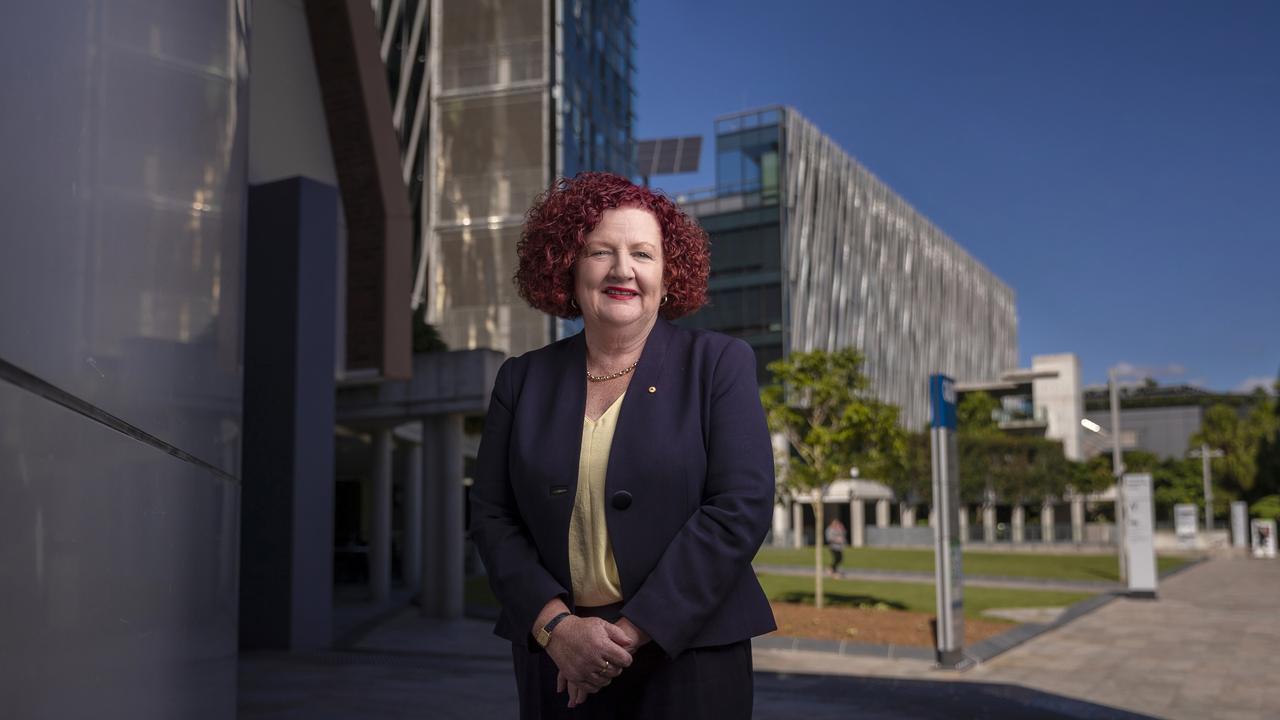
1139	535
1184	523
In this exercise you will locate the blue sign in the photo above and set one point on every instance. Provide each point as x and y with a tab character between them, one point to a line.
942	402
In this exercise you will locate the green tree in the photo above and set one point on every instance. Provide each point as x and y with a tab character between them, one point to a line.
1267	508
975	415
976	429
1090	476
994	464
1175	481
912	477
1245	443
819	402
1027	469
1265	419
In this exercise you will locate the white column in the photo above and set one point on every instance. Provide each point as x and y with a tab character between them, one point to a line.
1019	518
797	523
933	517
380	540
964	523
989	523
442	571
858	518
411	560
1046	522
906	515
882	513
779	525
1077	519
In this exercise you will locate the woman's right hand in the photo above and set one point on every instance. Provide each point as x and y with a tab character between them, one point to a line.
589	651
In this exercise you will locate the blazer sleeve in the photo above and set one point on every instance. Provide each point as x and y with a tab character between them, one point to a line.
704	561
520	582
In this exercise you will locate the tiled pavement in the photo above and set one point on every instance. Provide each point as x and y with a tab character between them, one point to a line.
1207	648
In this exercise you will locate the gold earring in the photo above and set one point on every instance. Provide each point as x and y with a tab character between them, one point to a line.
664	299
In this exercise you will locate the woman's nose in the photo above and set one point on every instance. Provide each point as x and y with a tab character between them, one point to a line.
621	266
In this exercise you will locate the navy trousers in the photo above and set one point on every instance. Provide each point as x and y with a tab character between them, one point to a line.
712	683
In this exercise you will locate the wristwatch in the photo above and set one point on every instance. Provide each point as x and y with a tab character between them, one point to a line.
543	634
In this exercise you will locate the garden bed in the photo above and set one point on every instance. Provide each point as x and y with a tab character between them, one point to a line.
872	627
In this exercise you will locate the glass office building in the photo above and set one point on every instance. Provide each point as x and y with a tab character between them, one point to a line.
811	251
493	99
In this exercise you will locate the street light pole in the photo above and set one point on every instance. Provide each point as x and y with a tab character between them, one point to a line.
1205	454
1117	469
1117	458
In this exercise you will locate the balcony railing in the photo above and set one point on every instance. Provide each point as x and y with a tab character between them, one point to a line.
1021	418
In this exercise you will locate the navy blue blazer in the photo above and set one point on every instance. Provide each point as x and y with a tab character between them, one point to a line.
689	487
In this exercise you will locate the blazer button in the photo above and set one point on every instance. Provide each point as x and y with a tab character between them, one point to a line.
621	500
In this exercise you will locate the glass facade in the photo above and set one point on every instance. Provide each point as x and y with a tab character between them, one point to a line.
745	287
811	251
597	79
747	153
521	91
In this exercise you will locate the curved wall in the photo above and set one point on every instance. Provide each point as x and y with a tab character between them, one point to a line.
121	202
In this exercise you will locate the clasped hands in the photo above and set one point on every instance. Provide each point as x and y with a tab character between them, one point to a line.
590	653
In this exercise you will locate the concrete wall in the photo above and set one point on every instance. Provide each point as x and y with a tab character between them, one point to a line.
121	199
1163	431
1062	399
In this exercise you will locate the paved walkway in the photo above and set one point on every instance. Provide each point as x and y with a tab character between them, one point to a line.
1205	649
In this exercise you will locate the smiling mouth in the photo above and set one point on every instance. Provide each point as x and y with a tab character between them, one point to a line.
620	293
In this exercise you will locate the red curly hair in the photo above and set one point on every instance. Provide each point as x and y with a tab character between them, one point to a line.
556	227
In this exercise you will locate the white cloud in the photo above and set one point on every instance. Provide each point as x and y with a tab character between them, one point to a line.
1150	371
1250	384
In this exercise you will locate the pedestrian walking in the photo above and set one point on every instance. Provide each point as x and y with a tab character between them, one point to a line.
835	536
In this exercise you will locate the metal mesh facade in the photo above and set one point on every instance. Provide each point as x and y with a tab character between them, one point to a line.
859	267
492	99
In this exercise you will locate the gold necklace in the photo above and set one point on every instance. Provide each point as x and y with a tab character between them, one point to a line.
620	373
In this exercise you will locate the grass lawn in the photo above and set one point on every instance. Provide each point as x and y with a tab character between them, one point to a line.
1028	565
885	595
916	597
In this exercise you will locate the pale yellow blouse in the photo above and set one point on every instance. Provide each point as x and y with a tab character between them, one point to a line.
591	566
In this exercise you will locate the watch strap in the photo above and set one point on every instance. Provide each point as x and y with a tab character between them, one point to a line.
543	636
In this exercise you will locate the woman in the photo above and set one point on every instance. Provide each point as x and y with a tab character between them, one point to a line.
625	478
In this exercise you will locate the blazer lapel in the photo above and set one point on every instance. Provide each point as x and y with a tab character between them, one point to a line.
557	445
568	407
639	432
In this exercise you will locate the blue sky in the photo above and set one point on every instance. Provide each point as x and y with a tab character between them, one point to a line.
1117	163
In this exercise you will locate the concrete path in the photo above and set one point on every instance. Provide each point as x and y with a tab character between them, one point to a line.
1205	649
1091	586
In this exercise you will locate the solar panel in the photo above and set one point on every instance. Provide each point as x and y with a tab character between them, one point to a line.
668	156
644	156
689	154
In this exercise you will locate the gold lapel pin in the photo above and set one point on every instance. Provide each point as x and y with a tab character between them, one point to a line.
653	389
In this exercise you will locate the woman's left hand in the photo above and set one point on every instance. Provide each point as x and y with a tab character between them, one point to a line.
636	637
